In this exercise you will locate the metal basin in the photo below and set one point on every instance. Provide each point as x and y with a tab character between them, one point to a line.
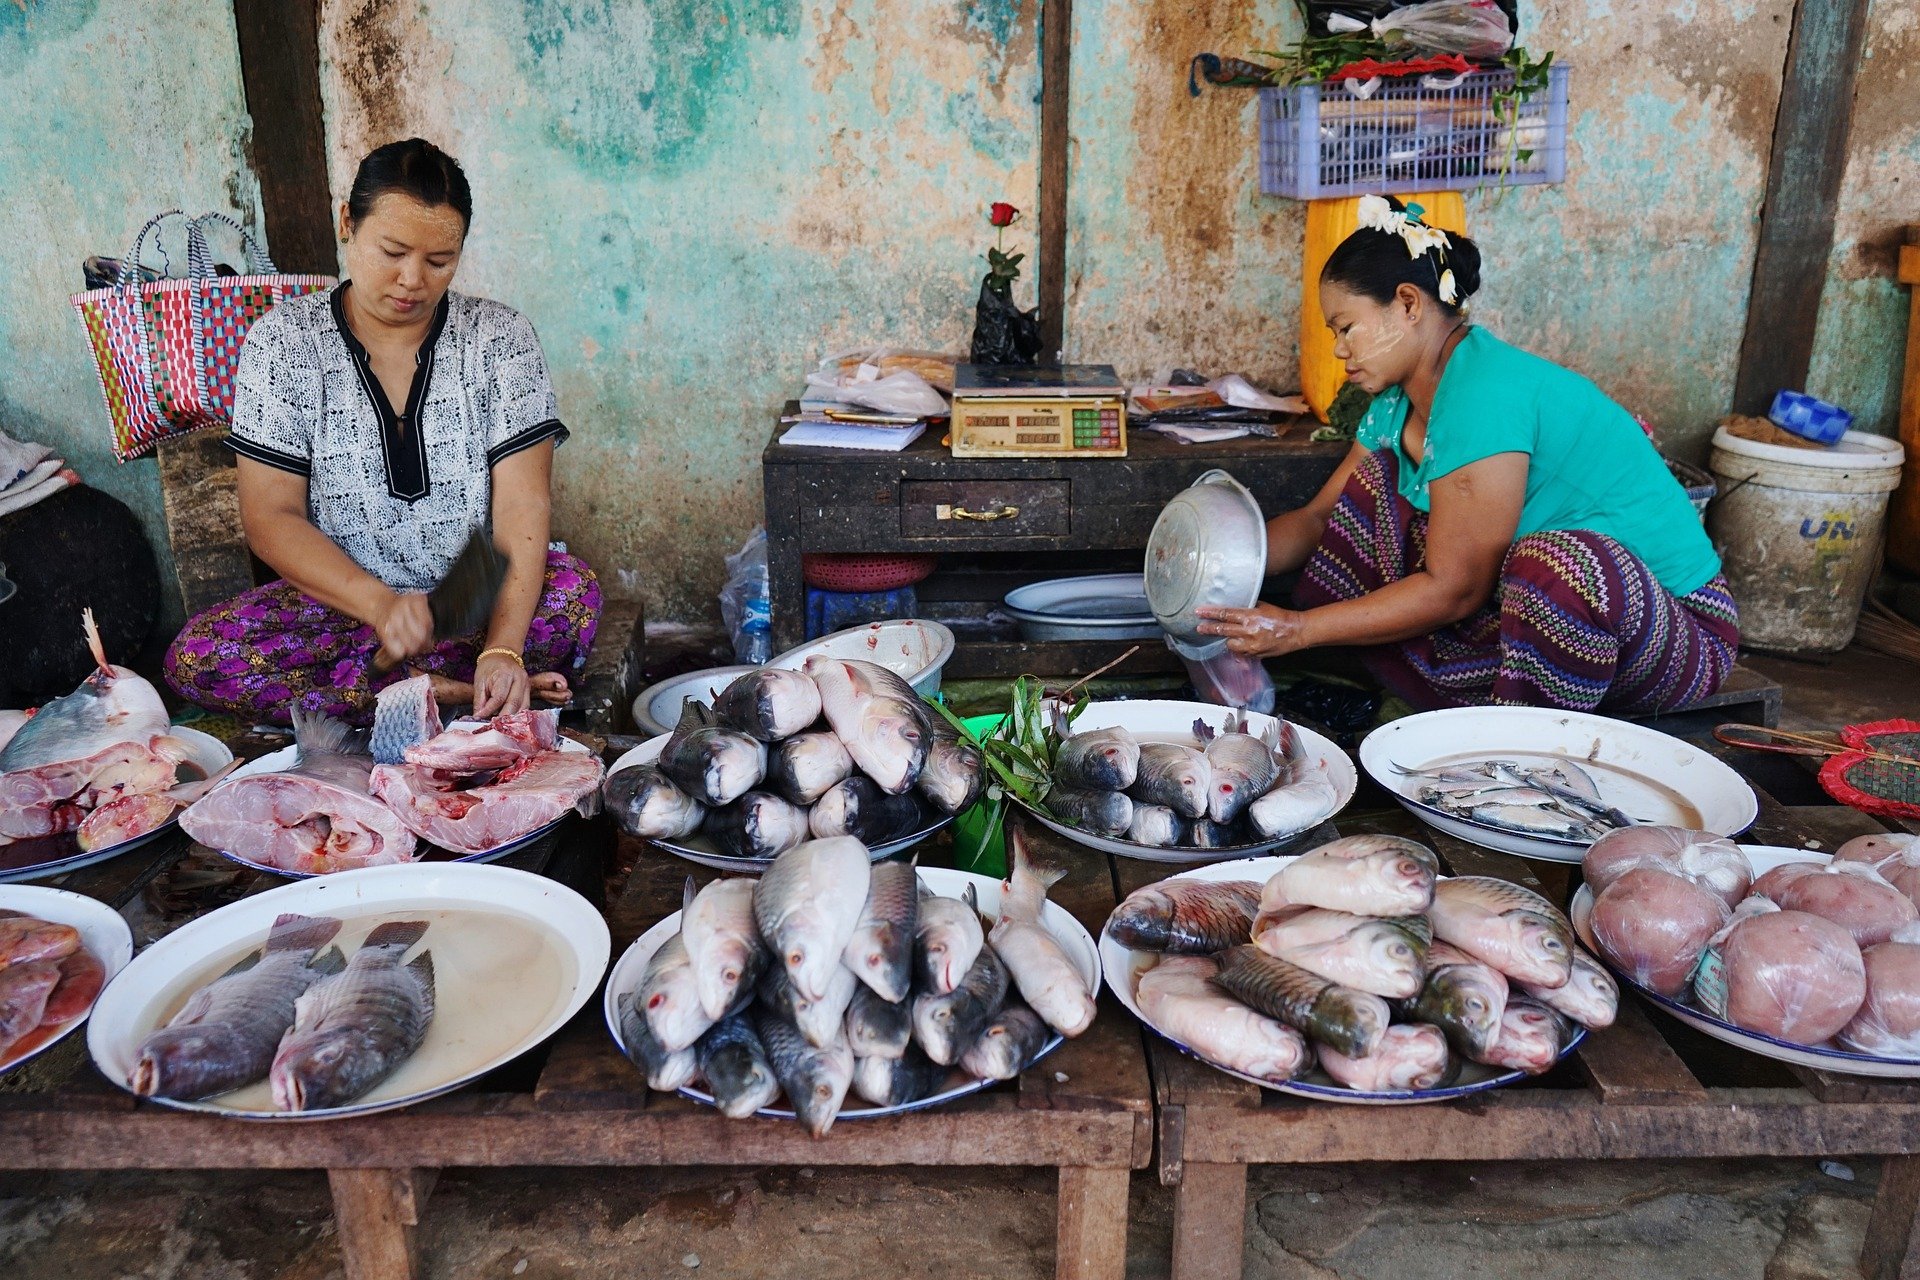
1209	547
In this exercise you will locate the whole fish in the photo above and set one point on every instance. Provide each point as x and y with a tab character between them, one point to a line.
1205	833
768	704
1509	927
1173	775
723	944
669	996
757	825
1098	760
1371	875
1294	807
1179	998
880	953
808	904
1187	916
1353	1022
1104	813
886	734
1049	982
1011	1039
226	1033
1462	997
1412	1055
1590	996
24	991
878	1028
815	1079
713	765
1158	827
1512	812
646	803
945	1025
802	767
820	1021
1530	1038
1385	957
1243	769
351	1031
953	776
896	1082
947	940
665	1069
734	1064
857	807
26	938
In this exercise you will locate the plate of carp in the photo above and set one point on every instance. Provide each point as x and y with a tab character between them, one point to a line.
842	747
1807	958
351	993
1542	783
835	987
1188	782
57	950
1356	973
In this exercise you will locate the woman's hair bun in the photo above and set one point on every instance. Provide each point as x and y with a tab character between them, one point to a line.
1375	264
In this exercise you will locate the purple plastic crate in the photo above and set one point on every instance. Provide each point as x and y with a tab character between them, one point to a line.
1320	140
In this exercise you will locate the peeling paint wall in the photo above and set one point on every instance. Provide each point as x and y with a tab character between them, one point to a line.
693	200
1861	342
1636	271
110	111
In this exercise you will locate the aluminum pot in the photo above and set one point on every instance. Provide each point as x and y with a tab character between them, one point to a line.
1209	547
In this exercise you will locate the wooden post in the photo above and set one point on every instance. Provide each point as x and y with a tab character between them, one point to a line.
1890	1252
1803	189
1093	1203
280	67
1903	538
376	1212
1209	1222
1056	53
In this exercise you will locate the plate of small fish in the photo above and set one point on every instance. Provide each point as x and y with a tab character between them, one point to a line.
1189	782
350	993
842	747
1544	783
57	950
903	988
1356	973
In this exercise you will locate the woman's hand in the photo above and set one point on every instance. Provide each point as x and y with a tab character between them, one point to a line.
405	627
500	686
1264	631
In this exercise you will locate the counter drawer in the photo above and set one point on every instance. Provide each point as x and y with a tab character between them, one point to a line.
984	508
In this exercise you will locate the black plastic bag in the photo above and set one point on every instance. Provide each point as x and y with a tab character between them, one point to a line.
1002	332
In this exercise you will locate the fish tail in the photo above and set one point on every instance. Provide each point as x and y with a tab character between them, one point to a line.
328	962
687	893
421	967
293	932
316	734
94	644
396	933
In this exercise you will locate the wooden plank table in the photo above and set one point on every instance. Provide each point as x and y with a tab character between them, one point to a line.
1085	1110
1647	1087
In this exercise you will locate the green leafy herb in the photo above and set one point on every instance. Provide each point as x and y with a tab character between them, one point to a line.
1020	750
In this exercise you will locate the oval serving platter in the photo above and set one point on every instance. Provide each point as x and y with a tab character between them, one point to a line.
102	931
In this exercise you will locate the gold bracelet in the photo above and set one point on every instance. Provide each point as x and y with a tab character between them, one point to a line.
486	653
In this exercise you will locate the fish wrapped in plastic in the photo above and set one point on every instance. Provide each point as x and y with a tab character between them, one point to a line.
1786	974
1851	894
1179	997
1652	925
1712	861
1186	916
1888	1022
1411	1056
1894	854
1098	760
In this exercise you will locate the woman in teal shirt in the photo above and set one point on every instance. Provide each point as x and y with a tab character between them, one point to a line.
1501	531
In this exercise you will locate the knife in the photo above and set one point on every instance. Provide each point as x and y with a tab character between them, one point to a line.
465	597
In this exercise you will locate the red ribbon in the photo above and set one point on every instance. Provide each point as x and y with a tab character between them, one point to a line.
1368	68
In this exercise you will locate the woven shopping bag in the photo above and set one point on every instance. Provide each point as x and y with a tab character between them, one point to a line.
166	349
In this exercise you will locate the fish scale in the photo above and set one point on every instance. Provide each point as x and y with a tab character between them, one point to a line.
1242	769
353	1030
880	952
1352	1022
1191	917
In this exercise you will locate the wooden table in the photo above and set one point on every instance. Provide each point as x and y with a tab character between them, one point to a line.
1085	1110
1647	1087
973	510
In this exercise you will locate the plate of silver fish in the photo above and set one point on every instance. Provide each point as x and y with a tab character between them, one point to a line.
57	950
1544	783
1189	782
350	993
1356	973
842	747
838	988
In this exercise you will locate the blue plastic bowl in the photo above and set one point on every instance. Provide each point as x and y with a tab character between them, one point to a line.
1803	415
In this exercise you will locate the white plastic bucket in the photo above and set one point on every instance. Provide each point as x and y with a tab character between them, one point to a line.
1799	531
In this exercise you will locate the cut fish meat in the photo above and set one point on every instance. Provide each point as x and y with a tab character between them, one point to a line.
522	798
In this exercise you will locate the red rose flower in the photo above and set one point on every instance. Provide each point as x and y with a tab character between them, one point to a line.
1001	214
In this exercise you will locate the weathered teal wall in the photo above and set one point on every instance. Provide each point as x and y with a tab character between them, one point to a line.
1862	338
110	111
1636	271
693	200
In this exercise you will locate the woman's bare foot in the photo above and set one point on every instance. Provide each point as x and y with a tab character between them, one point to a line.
550	687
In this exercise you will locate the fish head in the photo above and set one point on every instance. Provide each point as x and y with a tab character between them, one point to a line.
1390	949
1403	876
308	1074
171	1062
1545	946
1470	1004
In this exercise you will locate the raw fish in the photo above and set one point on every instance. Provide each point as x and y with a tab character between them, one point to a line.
646	803
1179	998
895	1082
24	992
1205	833
405	714
886	734
527	794
713	765
1386	957
226	1034
1412	1055
815	1080
1652	926
878	1028
723	944
947	1025
1509	927
1590	996
857	807
1104	813
1463	997
953	776
135	814
1195	917
1530	1037
669	996
81	977
880	953
807	906
1049	982
1353	1022
1098	760
757	825
820	1021
1173	775
28	938
1010	1040
467	747
768	704
734	1064
351	1031
1158	827
1243	769
1294	807
1372	875
946	941
665	1069
802	767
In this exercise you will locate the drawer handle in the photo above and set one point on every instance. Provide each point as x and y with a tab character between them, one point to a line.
1007	512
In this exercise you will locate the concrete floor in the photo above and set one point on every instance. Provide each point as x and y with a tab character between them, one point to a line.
1698	1220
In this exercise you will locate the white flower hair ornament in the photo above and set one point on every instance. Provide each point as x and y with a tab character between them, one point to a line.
1376	214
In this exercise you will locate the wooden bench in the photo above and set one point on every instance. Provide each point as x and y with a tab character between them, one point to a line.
1085	1110
1647	1087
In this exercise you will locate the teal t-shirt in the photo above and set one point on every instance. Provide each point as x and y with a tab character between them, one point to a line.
1590	465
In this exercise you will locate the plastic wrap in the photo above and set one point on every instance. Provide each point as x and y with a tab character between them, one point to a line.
901	391
1711	861
1852	895
745	604
1653	925
1895	856
1789	975
1230	679
1774	883
1888	1023
1475	29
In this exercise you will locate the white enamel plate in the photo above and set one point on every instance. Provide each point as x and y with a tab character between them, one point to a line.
102	932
